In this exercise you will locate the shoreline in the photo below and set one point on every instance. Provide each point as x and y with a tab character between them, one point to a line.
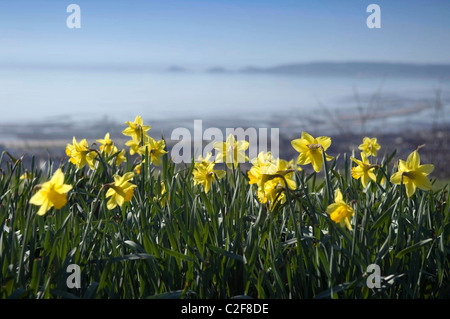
49	142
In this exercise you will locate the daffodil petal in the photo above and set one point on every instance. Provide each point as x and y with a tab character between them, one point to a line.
426	168
413	160
410	188
37	199
317	160
422	182
396	178
325	141
308	138
338	196
220	173
45	207
372	176
299	145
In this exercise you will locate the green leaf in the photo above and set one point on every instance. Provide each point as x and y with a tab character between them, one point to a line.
177	294
413	247
136	246
327	293
226	253
138	256
177	254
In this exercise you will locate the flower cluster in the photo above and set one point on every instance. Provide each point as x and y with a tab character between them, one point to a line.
121	190
273	179
141	143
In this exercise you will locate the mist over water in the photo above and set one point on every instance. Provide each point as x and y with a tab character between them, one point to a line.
41	95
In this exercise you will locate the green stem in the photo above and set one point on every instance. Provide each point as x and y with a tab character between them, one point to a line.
327	178
105	166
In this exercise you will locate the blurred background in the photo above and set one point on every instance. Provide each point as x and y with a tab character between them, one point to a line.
294	65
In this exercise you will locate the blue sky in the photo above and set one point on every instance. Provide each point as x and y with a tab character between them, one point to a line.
227	33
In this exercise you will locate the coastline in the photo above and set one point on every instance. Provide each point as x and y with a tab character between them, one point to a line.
47	140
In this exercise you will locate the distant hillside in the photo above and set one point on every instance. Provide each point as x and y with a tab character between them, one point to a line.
357	68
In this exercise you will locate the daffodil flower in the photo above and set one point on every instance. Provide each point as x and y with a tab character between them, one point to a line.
340	212
287	170
272	177
413	174
205	174
264	163
120	191
51	194
80	154
364	170
134	146
283	174
106	145
271	192
369	146
136	129
120	158
311	149
155	150
274	184
231	152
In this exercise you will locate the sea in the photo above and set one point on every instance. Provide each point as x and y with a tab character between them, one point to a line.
33	97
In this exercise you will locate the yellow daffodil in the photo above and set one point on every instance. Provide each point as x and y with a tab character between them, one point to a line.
340	212
271	176
51	194
231	152
264	163
369	146
80	154
287	169
155	150
137	130
205	174
120	191
364	170
310	150
134	146
120	158
282	175
274	187
271	192
204	160
413	174
106	145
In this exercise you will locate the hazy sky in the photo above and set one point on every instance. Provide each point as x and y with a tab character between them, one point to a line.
229	33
